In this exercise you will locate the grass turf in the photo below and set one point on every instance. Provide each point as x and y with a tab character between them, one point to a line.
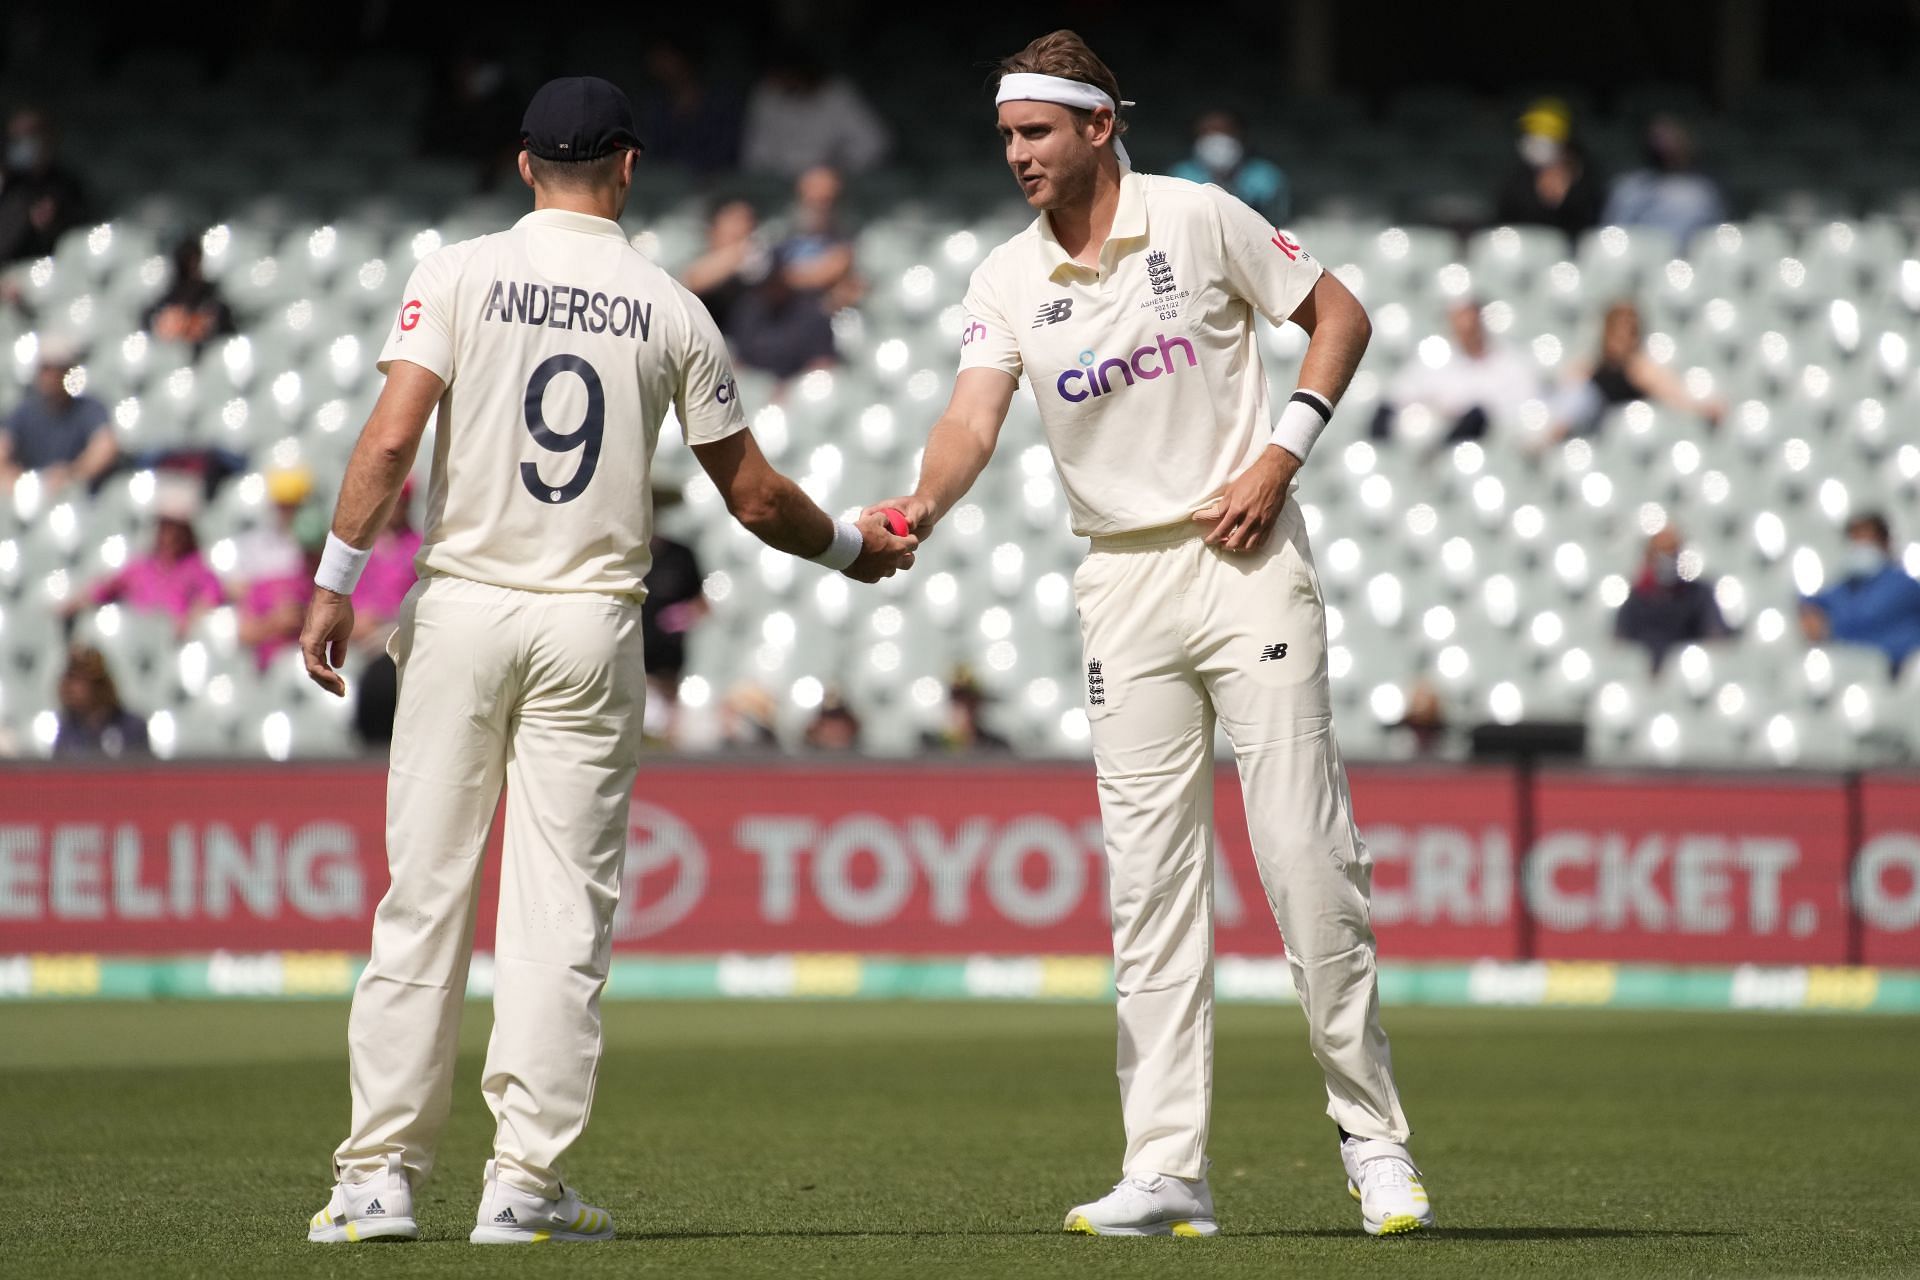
893	1140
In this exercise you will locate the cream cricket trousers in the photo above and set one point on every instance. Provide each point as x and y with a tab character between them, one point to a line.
543	691
1178	636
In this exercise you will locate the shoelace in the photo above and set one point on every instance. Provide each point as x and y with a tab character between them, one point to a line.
1386	1173
1148	1183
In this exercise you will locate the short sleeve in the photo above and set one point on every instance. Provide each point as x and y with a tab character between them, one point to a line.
706	396
986	339
1265	267
422	331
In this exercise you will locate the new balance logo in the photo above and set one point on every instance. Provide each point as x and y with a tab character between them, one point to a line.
1096	685
1272	652
374	1206
1159	272
506	1218
1053	312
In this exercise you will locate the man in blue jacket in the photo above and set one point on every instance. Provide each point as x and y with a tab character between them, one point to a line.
1875	602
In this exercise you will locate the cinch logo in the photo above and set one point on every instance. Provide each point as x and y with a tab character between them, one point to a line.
1095	372
973	330
726	392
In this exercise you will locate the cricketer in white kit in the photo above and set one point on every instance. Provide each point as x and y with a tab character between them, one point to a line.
550	354
1129	306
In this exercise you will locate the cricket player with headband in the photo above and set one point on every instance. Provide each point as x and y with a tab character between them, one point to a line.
1129	303
549	353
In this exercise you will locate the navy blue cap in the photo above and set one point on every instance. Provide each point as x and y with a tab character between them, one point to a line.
578	118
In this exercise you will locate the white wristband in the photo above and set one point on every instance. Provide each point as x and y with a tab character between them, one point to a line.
1304	416
845	548
340	566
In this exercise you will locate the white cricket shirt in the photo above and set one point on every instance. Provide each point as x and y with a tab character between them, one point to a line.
562	348
1149	383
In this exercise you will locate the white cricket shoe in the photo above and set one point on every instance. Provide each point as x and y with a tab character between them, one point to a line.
509	1215
1383	1178
379	1208
1148	1204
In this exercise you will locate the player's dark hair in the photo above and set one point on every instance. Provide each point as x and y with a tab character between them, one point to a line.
1882	532
1063	53
576	175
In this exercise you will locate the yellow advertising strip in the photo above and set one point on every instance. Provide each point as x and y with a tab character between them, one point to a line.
64	975
316	973
826	975
1841	988
1075	977
1580	982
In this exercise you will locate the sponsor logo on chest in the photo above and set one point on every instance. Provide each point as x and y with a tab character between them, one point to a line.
1164	356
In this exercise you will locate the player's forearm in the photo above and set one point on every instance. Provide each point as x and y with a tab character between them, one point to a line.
956	455
780	514
372	485
1333	352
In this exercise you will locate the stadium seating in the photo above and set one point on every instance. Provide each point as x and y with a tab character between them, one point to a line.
1491	568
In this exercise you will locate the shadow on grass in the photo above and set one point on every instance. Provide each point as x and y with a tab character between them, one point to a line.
1327	1233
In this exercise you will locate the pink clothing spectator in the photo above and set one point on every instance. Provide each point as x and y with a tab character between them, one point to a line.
273	609
180	589
389	574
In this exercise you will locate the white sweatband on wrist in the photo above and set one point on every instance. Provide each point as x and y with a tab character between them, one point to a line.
1304	416
845	547
340	565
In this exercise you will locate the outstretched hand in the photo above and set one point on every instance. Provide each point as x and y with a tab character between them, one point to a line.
917	510
882	554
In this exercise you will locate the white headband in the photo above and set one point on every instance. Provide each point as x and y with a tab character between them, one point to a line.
1028	86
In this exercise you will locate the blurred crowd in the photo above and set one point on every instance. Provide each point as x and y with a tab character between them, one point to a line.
774	277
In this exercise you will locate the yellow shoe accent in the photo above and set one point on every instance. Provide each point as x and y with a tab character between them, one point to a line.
1081	1225
1399	1224
541	1237
353	1233
1353	1191
1185	1230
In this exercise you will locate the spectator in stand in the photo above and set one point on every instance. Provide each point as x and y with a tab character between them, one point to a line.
676	603
389	574
1220	156
191	310
799	117
1875	602
474	116
271	550
40	200
834	726
1552	185
57	429
92	721
1623	372
377	601
734	262
1422	730
1669	195
1479	384
963	733
685	120
746	719
780	330
1664	609
818	254
273	608
172	578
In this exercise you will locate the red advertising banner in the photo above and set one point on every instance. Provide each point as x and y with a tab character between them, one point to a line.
918	860
1705	870
1886	876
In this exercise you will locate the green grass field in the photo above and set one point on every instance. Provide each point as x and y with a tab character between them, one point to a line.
798	1139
